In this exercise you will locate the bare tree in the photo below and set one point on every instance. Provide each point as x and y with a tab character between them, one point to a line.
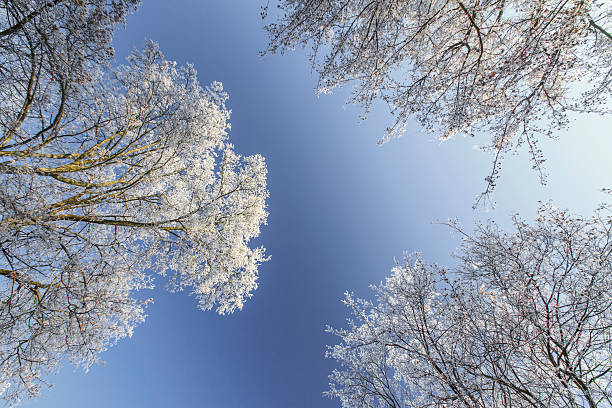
524	320
506	68
107	177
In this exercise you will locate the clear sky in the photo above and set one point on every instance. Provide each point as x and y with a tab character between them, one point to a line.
340	207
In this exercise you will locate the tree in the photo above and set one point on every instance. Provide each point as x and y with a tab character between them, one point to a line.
109	176
504	68
524	320
61	41
60	29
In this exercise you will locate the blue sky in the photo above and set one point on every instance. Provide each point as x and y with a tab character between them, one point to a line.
340	207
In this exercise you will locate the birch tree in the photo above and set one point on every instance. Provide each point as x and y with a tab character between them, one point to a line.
507	69
109	177
523	320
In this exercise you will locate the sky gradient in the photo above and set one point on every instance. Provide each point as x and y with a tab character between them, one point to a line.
341	209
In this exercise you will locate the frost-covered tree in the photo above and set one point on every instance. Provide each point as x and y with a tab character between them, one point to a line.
524	320
61	40
503	68
108	177
67	32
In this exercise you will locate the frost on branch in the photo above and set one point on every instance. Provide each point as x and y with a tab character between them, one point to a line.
104	183
524	320
505	68
65	38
